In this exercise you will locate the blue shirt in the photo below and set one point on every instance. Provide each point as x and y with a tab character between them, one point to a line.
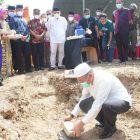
21	26
11	22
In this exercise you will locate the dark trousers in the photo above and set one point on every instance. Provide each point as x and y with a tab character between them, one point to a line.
105	48
0	76
47	54
133	41
100	47
22	56
122	41
38	54
108	114
107	51
12	42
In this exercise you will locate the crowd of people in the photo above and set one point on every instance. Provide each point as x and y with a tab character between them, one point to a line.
43	38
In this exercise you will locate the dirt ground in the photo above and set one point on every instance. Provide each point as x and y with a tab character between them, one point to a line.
32	106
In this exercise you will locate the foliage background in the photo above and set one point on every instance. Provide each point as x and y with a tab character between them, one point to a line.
76	5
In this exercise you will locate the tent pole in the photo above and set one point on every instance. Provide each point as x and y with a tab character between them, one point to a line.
83	5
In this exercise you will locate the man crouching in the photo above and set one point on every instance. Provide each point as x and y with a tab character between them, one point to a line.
103	97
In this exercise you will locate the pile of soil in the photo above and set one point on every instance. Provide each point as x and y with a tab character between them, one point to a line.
32	106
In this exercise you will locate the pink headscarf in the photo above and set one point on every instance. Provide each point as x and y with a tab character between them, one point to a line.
77	17
2	12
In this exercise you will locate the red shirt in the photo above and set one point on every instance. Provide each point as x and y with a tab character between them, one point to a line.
36	26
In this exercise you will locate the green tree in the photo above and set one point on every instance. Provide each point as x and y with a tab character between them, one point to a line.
1	2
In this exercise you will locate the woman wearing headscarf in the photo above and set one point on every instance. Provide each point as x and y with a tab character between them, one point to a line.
77	17
26	14
0	63
7	68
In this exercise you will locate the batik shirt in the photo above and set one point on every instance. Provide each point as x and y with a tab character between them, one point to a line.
36	26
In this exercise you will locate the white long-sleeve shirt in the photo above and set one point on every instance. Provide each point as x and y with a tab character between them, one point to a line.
57	29
105	87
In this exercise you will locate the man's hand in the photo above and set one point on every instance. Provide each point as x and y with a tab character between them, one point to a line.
100	33
78	129
23	38
38	37
131	22
69	118
4	37
88	31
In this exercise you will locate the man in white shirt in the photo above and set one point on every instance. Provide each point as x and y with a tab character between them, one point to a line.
103	97
57	26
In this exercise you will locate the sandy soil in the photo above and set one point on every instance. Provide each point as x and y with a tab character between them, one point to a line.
32	106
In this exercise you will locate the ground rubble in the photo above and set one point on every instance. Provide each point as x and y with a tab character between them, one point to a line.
33	106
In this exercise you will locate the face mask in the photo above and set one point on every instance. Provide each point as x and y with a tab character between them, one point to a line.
36	16
20	13
11	13
85	85
98	13
56	15
70	18
87	16
44	19
119	6
49	16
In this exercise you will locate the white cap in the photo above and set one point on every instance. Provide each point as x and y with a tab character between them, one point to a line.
133	6
78	71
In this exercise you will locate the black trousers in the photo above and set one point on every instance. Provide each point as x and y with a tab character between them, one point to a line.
38	54
108	114
22	56
100	47
122	41
12	42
